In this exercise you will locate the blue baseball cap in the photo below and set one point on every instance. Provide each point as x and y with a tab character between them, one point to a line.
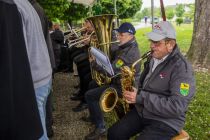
126	28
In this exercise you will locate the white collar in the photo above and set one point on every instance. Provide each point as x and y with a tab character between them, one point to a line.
156	62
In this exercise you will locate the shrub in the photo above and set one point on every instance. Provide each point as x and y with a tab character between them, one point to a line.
179	21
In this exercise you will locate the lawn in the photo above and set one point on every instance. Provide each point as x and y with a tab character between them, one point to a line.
198	115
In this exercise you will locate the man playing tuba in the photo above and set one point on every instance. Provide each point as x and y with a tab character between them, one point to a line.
126	54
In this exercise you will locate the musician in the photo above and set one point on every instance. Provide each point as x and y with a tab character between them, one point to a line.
58	47
127	54
80	57
166	87
84	83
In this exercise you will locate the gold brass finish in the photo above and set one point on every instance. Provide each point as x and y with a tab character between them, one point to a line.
103	30
110	98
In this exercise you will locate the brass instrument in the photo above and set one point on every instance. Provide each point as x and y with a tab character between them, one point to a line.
103	28
110	98
79	41
72	32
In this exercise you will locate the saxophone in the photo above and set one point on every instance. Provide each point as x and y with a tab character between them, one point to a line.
110	100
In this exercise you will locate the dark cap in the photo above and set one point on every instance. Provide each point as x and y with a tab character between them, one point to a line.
126	28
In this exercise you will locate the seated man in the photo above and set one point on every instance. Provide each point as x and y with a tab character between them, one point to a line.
166	87
127	54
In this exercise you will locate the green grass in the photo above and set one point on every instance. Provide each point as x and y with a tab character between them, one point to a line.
198	116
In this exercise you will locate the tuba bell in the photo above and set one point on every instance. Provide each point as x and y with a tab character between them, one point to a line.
110	100
103	28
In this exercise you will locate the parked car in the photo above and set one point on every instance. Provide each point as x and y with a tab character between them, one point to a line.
155	19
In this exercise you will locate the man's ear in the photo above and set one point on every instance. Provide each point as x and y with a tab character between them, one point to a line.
170	45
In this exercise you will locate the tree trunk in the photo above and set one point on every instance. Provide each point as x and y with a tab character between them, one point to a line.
199	52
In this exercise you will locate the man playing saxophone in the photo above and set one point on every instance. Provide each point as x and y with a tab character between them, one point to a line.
126	54
166	87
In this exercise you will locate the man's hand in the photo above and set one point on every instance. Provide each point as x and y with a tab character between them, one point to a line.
130	96
92	58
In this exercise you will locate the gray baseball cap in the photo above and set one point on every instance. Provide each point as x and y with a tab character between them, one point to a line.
162	30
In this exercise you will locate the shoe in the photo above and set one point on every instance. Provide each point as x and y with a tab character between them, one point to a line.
77	97
80	107
96	134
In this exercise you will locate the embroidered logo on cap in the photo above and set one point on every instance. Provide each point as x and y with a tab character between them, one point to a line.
130	31
157	27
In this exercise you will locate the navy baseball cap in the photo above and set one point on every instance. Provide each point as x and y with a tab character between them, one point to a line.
126	28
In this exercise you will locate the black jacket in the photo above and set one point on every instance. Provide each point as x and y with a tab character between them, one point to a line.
125	55
19	116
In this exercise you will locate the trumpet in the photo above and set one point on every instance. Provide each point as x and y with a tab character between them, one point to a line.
79	40
72	32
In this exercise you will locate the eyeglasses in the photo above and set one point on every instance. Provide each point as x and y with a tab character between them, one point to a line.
123	34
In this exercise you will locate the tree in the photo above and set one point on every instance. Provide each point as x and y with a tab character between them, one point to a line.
146	12
170	13
54	9
134	6
125	8
179	10
179	21
199	52
75	12
157	12
190	13
138	15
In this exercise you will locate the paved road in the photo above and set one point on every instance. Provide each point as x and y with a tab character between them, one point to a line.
142	25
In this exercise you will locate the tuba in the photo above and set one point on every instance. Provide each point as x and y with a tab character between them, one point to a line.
110	100
103	29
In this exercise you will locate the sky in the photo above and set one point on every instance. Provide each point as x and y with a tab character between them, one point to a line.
147	3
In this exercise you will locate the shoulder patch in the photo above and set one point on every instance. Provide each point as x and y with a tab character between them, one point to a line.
119	63
184	89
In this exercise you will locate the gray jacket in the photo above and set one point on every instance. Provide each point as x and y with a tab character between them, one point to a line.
168	91
44	22
35	44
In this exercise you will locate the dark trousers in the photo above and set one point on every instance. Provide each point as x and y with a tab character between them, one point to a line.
92	97
49	117
84	85
132	124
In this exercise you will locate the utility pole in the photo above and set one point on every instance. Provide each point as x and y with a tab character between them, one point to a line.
152	12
